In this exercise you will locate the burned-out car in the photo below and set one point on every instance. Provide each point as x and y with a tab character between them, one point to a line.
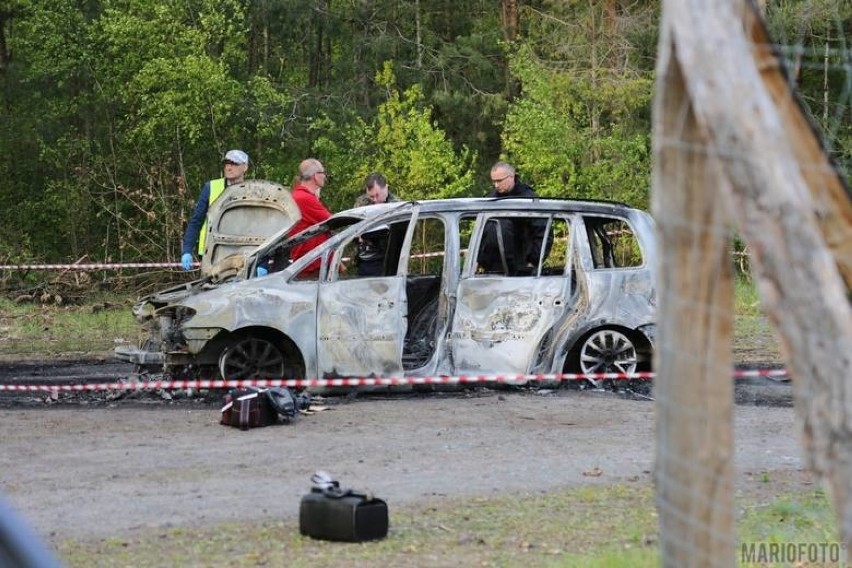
585	303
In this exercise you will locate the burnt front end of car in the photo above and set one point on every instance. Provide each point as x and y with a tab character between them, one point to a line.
163	343
161	317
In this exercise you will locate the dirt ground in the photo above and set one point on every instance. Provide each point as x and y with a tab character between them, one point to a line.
95	468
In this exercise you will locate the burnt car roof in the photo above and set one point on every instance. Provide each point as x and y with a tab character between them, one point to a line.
493	203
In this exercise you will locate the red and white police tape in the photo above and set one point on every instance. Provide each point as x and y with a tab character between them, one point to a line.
142	383
121	265
92	266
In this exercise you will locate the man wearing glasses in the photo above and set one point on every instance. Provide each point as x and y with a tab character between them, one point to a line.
506	183
235	165
306	194
371	246
511	246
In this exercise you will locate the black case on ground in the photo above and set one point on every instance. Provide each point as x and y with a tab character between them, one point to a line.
342	516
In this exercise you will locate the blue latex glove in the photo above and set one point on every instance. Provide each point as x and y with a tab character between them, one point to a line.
261	271
186	261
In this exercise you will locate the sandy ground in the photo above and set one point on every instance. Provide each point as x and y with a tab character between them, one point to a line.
94	470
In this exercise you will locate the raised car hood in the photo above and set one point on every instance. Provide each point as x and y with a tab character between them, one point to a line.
245	216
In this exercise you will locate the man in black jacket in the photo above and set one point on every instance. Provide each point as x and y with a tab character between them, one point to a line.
511	246
371	247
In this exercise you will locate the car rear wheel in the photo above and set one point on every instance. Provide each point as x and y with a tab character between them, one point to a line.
251	358
608	351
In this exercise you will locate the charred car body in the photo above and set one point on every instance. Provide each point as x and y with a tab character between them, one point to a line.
586	306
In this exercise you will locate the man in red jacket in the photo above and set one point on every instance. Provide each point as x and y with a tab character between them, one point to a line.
306	194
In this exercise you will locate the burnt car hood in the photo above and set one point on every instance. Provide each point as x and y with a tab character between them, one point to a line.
228	269
243	218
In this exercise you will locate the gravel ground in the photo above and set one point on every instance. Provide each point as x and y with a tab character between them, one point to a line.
89	467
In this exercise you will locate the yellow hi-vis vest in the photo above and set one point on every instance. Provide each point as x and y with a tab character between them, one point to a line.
217	186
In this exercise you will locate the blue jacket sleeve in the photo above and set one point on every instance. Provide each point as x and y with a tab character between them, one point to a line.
199	215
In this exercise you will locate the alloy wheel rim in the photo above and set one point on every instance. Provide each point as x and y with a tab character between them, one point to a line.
251	358
608	351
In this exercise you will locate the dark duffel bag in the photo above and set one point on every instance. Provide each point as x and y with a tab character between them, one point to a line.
248	408
331	513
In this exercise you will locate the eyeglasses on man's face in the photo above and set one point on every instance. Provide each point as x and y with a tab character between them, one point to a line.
500	180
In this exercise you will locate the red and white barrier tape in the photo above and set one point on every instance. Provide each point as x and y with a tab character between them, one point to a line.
93	266
118	265
142	384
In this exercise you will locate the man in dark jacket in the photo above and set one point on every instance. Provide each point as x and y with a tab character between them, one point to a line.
375	191
371	247
511	246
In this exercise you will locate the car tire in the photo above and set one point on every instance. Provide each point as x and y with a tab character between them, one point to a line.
251	358
607	351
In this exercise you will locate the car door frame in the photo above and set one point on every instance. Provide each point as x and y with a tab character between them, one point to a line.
495	327
361	321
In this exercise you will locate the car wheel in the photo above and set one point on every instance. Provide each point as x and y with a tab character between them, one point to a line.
251	358
607	351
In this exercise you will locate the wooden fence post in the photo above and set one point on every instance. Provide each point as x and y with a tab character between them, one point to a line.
693	389
792	208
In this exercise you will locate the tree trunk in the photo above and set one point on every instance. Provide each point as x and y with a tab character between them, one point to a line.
7	16
418	35
318	55
510	18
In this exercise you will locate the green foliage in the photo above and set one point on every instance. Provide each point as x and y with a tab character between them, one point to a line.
181	102
415	149
403	142
813	38
268	109
466	80
115	112
177	78
572	137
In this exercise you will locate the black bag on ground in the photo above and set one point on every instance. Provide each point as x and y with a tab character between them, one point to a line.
248	408
285	403
252	407
331	513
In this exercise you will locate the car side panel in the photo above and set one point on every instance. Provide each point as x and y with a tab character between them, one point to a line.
361	327
289	307
499	322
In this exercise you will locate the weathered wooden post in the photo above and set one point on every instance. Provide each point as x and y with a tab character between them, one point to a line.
723	94
694	391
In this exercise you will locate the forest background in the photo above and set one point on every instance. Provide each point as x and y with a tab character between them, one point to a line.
114	112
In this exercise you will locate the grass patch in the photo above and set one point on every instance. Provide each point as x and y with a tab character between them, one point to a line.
49	330
803	517
754	337
588	526
595	526
746	299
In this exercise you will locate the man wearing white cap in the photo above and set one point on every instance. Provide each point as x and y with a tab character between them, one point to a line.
235	164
